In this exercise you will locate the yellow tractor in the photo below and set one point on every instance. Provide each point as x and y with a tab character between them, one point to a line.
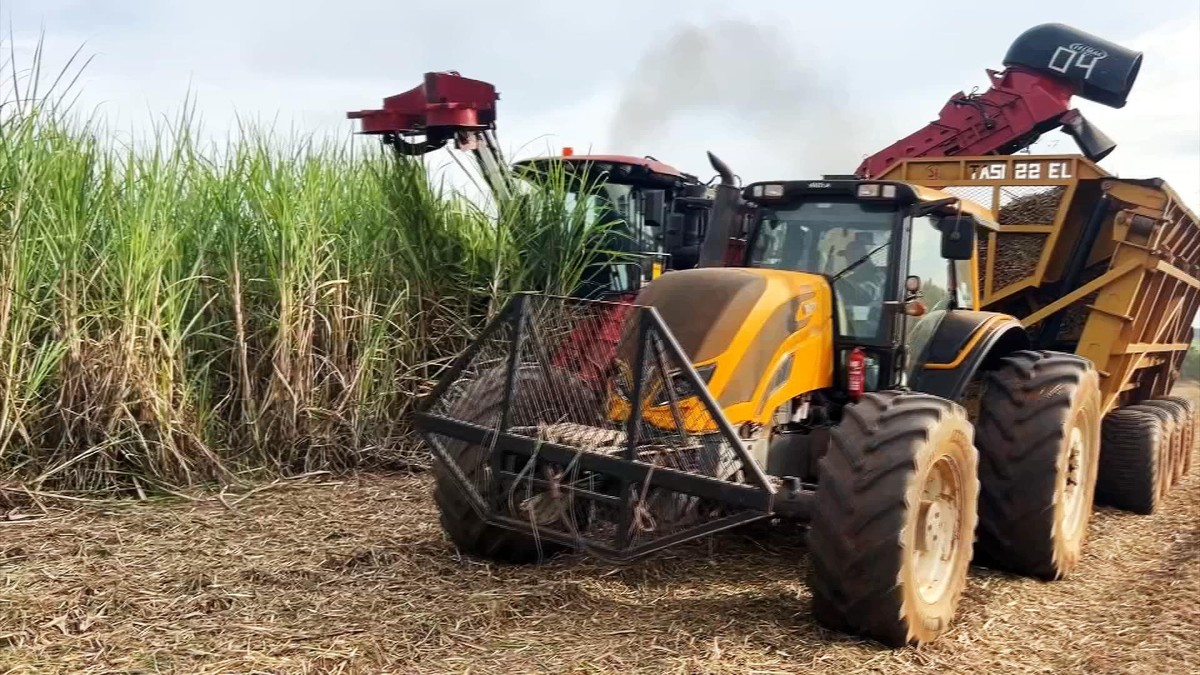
844	377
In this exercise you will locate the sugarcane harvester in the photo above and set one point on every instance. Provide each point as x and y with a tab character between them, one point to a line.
654	215
857	371
662	212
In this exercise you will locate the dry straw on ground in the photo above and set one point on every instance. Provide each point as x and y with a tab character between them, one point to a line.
354	576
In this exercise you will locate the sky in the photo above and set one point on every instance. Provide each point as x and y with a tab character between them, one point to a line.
776	88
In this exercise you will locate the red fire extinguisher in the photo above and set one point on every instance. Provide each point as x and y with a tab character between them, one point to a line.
856	380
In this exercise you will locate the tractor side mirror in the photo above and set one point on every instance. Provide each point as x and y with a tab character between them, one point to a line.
958	237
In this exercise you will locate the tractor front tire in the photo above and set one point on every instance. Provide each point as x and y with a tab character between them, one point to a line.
1132	456
1038	435
895	517
544	392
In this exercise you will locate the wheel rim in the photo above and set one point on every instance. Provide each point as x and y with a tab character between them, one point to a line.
938	545
1075	483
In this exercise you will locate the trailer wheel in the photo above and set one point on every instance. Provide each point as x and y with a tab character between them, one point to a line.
1131	461
539	391
1038	435
1166	426
1189	430
895	517
1180	443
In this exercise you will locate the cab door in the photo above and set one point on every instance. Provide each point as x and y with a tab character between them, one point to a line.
928	284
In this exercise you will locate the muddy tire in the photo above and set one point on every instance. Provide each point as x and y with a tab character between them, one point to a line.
895	517
1179	441
539	392
1131	461
1038	435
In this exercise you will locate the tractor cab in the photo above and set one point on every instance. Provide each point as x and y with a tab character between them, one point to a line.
897	258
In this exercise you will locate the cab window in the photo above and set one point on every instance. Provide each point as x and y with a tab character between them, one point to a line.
846	241
926	261
966	283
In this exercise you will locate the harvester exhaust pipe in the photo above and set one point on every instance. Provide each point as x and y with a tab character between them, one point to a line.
721	218
1095	144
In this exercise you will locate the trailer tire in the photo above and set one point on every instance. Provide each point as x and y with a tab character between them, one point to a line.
1166	425
874	572
1131	461
1189	430
481	404
1177	441
1038	435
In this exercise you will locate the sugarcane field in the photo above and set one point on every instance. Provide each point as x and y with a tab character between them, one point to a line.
719	343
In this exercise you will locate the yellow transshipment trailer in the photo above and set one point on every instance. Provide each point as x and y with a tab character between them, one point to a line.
1101	266
1107	268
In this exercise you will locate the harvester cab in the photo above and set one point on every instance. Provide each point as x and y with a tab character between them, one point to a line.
662	211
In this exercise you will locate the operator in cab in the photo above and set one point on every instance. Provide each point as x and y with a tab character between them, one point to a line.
864	283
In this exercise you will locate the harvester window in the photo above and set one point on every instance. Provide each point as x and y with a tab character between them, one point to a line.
621	208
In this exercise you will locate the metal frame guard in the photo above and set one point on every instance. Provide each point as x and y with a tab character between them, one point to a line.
614	488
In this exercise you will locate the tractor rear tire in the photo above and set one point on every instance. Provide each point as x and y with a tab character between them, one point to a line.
1179	423
895	517
1131	461
1038	435
539	391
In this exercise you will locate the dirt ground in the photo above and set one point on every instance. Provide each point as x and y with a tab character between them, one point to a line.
354	576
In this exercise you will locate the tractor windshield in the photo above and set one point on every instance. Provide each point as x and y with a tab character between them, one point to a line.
848	241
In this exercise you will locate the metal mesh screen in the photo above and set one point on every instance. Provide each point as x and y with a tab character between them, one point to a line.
602	436
1029	204
1017	256
980	194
